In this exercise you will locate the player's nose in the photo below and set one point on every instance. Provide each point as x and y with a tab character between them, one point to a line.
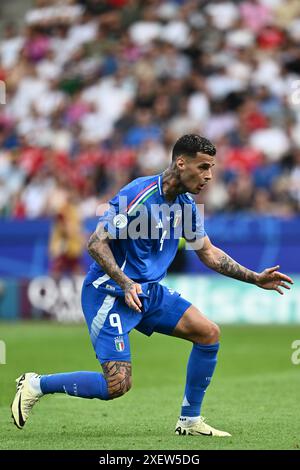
208	176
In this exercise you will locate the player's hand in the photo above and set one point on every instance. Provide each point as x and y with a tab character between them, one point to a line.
132	289
272	279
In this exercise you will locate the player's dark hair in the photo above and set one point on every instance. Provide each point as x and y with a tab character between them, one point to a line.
191	144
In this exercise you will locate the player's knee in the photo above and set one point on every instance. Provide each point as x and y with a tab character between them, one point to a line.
211	336
120	385
128	385
214	334
118	378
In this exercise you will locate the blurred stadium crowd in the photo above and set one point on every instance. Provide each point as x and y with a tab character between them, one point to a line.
98	91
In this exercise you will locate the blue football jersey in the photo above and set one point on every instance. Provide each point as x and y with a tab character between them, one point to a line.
145	230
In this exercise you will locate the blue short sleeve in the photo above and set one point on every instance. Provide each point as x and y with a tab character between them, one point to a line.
115	219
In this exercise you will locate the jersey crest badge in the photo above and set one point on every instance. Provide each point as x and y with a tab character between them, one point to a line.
119	343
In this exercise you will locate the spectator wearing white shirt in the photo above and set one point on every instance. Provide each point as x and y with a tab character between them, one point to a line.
223	13
10	47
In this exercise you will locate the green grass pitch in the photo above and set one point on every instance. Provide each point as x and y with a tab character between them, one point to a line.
254	393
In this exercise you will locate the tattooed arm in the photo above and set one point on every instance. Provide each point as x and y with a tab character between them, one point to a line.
220	262
99	249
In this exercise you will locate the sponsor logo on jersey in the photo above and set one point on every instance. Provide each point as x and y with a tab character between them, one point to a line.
109	287
177	219
120	221
119	343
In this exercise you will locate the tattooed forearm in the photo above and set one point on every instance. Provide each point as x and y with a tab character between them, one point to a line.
227	266
118	377
219	261
98	248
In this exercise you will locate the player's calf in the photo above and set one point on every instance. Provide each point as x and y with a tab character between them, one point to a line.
118	377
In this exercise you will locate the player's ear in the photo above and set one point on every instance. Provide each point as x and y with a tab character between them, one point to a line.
180	163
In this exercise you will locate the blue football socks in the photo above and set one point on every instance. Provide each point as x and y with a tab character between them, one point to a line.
201	366
78	384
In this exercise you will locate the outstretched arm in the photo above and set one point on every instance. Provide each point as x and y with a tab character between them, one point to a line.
220	262
99	249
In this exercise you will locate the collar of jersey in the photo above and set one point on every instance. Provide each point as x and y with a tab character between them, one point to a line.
159	185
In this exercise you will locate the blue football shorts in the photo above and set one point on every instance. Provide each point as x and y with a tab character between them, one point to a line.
110	320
